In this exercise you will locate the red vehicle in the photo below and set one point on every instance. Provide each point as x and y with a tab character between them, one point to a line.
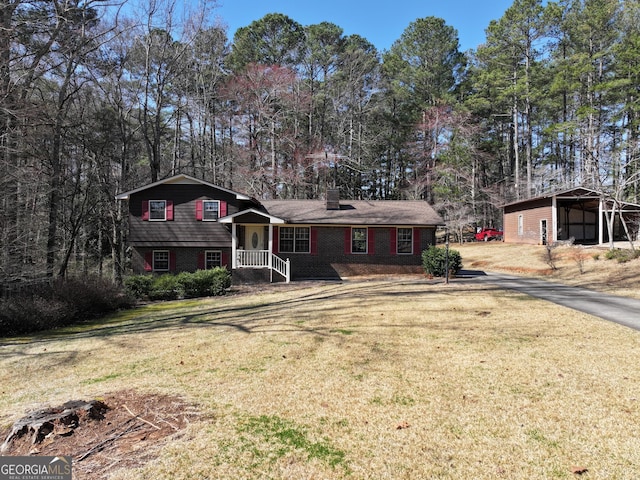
487	234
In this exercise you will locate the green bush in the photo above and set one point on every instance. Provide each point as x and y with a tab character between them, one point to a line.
434	261
139	286
165	287
621	255
201	283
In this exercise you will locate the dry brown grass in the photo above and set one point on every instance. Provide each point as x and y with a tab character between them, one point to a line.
400	379
575	265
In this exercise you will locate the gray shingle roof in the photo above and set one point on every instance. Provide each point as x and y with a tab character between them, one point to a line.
355	212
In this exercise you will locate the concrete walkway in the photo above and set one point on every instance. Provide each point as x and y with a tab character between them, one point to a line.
622	310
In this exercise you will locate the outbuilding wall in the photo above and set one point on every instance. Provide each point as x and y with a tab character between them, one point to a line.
532	214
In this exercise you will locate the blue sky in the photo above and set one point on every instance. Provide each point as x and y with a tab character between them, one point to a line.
380	22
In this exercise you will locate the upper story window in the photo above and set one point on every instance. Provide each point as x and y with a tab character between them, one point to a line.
405	240
295	239
157	209
358	240
210	210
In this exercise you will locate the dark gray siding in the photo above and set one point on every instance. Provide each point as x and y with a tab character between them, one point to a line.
186	259
184	230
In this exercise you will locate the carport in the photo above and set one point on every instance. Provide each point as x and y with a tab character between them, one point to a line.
580	214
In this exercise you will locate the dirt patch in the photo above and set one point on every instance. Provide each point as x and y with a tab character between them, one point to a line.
529	271
127	434
479	263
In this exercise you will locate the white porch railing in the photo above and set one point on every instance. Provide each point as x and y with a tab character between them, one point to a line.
260	259
253	258
283	267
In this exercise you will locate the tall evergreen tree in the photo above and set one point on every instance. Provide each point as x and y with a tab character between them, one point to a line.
422	68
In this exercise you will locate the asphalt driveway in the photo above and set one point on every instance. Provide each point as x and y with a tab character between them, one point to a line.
622	310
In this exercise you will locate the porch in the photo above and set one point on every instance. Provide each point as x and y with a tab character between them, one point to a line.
252	243
263	259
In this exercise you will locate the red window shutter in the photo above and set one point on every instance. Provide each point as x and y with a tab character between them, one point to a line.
200	260
225	259
169	209
145	210
276	240
393	241
347	240
172	261
148	261
416	241
371	241
198	209
223	209
314	240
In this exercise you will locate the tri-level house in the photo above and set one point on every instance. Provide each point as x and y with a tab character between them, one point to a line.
183	224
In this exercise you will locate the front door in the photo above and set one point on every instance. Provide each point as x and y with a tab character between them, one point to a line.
543	232
254	237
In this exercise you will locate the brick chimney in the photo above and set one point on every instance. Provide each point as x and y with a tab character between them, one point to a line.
333	199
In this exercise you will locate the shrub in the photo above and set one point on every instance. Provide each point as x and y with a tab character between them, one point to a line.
201	283
92	296
63	302
579	256
139	286
550	255
434	261
165	287
204	283
621	255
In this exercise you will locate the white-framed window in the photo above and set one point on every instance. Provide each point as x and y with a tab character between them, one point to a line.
212	259
210	210
358	240
295	239
404	242
302	240
520	225
161	260
157	210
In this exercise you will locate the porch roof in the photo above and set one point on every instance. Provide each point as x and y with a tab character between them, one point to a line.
252	212
355	212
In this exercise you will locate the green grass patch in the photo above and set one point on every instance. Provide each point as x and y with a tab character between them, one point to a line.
285	436
343	331
537	436
104	378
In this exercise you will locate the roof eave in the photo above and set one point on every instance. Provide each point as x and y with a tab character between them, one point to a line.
126	195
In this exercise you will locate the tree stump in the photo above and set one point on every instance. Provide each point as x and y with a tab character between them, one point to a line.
60	420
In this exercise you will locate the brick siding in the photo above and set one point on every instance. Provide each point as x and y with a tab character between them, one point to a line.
331	260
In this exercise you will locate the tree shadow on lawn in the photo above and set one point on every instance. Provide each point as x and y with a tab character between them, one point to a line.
263	316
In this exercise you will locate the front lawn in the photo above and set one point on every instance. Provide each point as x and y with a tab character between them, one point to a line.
399	379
